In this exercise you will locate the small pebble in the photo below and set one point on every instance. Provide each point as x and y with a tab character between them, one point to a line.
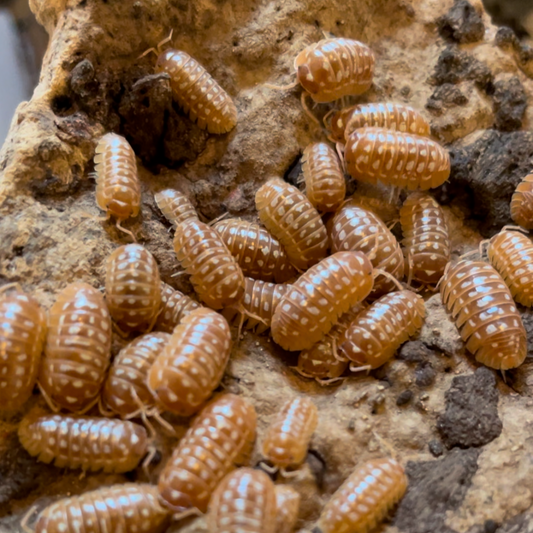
436	448
404	397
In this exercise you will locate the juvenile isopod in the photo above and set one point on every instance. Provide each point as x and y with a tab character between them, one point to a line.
522	203
324	178
175	306
82	442
379	330
245	501
192	363
175	206
133	287
287	439
287	508
425	238
118	189
365	498
395	158
220	438
259	254
128	508
291	218
215	274
484	312
78	349
22	335
314	303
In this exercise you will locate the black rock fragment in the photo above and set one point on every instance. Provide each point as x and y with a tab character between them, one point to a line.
510	102
425	374
444	97
415	352
462	23
404	398
436	448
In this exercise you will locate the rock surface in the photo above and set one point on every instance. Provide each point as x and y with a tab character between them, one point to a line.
474	94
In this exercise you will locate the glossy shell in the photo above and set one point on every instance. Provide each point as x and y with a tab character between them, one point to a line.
175	206
522	203
287	508
485	314
175	306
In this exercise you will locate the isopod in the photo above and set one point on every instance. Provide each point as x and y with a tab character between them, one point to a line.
314	303
511	254
192	363
365	498
287	439
245	501
125	391
425	238
220	438
128	508
118	189
522	203
133	287
215	273
291	218
324	177
175	306
484	312
396	158
22	335
175	206
78	348
288	507
259	254
195	90
82	442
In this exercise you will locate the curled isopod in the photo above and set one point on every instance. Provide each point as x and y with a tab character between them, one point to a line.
287	508
522	203
175	306
175	206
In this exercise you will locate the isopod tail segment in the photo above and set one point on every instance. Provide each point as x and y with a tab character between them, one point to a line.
157	50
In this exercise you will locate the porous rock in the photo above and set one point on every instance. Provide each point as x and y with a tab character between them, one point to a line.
462	23
510	103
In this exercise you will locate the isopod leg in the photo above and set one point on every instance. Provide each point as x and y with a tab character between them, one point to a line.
124	230
325	382
184	514
152	450
162	422
143	412
325	122
379	272
269	469
218	219
26	518
335	352
282	87
103	410
293	474
366	368
55	408
14	285
307	110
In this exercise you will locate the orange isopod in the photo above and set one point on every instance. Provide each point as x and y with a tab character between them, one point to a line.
258	253
220	438
333	68
365	498
192	363
128	508
287	439
315	302
324	178
356	229
485	314
396	158
118	189
522	203
425	238
78	349
244	502
175	206
379	330
125	391
287	508
511	254
291	218
206	102
175	306
215	274
133	287
22	335
82	442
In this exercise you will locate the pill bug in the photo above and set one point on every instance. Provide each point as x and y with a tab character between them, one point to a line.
511	254
259	254
125	391
175	206
337	124
425	238
484	312
291	218
245	501
195	90
215	274
287	508
83	442
522	203
315	302
128	508
118	189
396	158
354	228
260	299
386	210
220	438
324	177
287	439
175	306
133	287
365	498
192	363
77	350
22	335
